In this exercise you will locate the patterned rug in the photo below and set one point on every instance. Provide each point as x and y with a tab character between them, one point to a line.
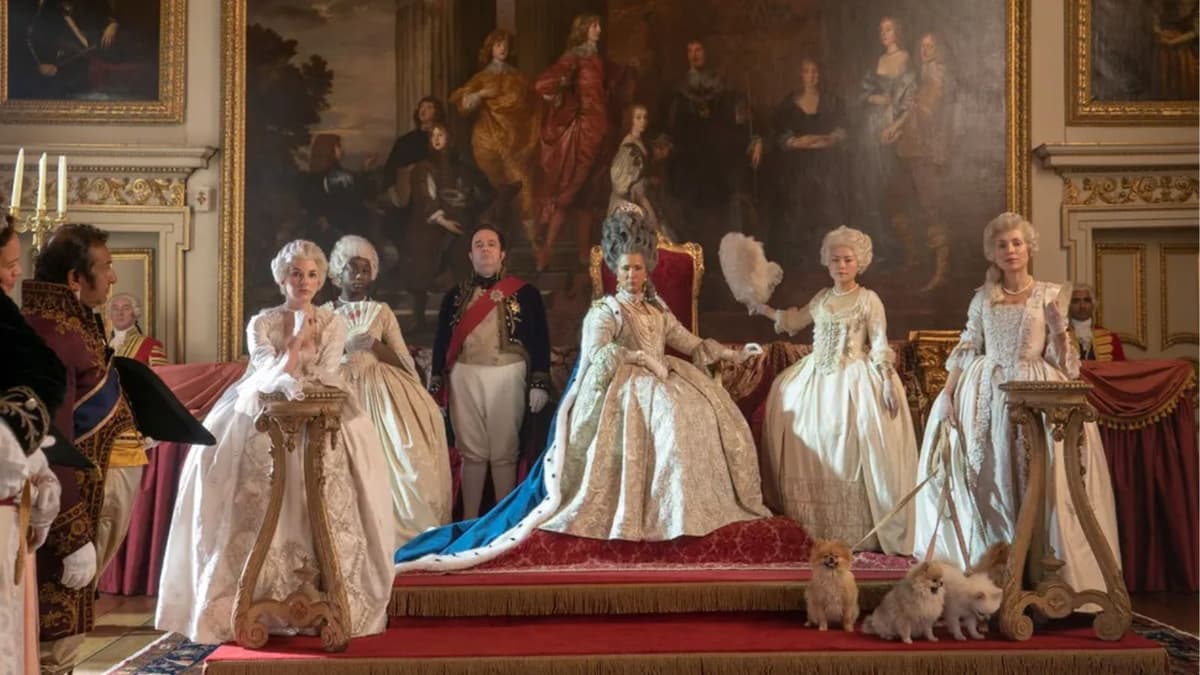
173	654
1183	648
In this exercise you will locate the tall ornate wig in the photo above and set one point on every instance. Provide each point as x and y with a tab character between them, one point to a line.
851	238
347	248
300	249
626	232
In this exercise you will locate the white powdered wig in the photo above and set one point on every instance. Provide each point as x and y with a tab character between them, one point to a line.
347	248
750	276
299	249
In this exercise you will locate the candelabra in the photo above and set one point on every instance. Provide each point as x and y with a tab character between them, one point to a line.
38	224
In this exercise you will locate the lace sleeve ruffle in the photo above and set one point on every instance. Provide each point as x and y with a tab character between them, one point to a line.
708	352
970	342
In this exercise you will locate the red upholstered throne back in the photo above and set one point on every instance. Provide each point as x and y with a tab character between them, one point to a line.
676	278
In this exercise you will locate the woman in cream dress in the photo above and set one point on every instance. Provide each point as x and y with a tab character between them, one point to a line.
224	489
1015	331
838	447
644	446
382	373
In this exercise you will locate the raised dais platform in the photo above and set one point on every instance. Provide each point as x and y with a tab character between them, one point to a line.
759	565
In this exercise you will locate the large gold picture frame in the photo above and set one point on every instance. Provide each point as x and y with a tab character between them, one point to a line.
233	160
167	108
1083	108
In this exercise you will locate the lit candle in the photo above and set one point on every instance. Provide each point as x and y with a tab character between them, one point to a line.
18	177
41	195
62	184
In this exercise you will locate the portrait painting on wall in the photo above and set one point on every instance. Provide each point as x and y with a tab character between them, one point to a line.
781	119
1134	62
93	60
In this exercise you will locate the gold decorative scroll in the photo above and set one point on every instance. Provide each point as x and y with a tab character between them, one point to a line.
1122	190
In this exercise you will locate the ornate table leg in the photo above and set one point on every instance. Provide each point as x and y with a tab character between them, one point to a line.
320	599
1064	407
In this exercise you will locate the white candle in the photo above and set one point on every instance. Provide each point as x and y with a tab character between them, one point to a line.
41	194
18	177
62	184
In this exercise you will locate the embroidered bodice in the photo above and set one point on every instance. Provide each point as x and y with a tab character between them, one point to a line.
841	336
1014	334
266	341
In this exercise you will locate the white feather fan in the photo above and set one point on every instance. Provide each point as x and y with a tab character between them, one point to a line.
750	276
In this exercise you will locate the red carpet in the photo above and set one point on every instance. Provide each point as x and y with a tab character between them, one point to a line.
738	640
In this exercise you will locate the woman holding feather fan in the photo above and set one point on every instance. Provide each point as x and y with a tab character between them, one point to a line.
379	368
838	450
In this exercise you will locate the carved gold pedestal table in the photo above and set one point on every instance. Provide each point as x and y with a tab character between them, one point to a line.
1063	407
311	423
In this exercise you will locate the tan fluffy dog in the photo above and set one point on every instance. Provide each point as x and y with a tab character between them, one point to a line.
832	594
911	607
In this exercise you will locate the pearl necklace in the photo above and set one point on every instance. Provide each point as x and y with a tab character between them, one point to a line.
1020	290
838	293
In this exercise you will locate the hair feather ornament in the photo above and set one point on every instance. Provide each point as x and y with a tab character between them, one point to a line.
750	276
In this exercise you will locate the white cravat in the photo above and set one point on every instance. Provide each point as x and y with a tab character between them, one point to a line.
1083	333
118	338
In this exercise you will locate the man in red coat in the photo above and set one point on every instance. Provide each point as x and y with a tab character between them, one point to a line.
71	280
1095	343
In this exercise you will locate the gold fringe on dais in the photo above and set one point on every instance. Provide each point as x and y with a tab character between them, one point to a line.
591	599
900	662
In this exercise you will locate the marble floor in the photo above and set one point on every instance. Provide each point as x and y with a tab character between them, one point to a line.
125	624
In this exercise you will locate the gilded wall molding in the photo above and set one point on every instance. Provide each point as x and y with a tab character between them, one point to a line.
1138	251
1122	190
109	190
1190	253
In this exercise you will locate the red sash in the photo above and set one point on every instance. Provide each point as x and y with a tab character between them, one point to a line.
476	313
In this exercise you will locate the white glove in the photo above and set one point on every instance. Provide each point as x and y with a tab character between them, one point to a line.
360	342
889	398
656	367
148	443
79	568
538	398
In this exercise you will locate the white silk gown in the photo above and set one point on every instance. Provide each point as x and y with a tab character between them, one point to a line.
224	490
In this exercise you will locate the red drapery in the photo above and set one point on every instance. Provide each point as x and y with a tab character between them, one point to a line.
1148	425
136	567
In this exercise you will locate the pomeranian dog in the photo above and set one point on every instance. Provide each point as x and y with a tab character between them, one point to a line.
993	563
832	595
911	607
971	600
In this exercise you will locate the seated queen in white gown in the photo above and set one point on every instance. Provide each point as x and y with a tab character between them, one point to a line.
224	489
645	446
838	448
1015	331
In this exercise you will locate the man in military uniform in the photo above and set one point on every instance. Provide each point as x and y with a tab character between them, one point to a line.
491	363
71	280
